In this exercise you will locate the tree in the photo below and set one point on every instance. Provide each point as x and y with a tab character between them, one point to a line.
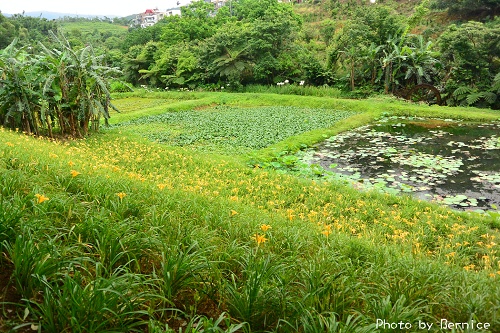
350	56
394	55
469	53
271	34
233	65
139	36
469	7
367	46
32	30
250	10
139	60
228	53
247	51
421	63
197	21
7	32
61	86
18	89
371	62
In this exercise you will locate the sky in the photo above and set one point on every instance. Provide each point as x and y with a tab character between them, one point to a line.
87	7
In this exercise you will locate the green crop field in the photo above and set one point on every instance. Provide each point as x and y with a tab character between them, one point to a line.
233	129
86	27
167	222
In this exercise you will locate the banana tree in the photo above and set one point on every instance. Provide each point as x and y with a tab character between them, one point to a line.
421	64
60	86
18	90
76	87
395	54
371	61
351	57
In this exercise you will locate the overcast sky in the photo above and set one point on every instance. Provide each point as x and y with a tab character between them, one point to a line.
86	7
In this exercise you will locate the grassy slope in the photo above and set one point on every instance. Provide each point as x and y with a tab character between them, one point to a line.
90	27
331	249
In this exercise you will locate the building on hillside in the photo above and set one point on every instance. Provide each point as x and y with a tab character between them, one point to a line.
152	16
218	3
176	11
173	11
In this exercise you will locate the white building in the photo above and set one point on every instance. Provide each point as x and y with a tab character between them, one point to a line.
152	16
218	3
173	11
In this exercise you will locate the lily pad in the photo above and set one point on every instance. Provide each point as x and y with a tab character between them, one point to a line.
421	156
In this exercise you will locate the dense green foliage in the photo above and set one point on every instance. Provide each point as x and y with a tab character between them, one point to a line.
470	53
101	34
118	233
28	30
249	44
357	47
469	7
7	32
58	91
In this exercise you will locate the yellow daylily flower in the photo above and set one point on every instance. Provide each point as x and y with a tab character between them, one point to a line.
259	239
74	173
41	198
265	227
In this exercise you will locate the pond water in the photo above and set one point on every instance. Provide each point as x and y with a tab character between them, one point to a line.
451	162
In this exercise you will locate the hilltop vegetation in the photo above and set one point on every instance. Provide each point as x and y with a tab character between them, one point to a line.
358	47
96	33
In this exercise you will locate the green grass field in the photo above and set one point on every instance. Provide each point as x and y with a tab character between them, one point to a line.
120	233
88	27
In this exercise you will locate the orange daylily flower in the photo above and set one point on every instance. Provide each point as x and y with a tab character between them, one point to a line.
41	198
259	239
265	227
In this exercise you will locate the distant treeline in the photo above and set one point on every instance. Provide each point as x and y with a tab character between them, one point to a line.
359	47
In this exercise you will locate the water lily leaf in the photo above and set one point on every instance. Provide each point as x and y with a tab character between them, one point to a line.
397	161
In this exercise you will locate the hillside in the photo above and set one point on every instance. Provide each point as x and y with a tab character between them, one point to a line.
88	27
317	15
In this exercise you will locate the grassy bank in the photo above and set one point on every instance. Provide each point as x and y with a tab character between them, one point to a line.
143	104
118	233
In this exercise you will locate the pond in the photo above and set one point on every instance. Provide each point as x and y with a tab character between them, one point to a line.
450	162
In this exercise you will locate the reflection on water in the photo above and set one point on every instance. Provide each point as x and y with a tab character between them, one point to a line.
447	161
